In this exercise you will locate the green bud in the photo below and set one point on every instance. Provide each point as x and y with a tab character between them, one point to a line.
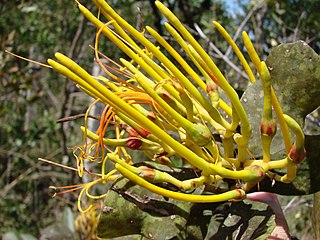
199	134
257	173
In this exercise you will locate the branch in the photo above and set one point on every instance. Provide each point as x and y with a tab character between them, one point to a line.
241	26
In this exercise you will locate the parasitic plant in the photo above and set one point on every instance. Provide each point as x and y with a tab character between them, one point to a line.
171	112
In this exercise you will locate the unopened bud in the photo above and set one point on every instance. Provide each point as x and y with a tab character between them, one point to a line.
138	132
147	173
199	134
132	132
163	160
296	155
268	127
257	173
134	143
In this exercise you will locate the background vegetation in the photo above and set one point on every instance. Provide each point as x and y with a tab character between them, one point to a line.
33	98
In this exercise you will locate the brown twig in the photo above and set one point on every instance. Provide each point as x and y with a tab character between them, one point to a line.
71	118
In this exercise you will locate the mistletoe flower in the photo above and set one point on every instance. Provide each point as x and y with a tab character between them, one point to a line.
169	113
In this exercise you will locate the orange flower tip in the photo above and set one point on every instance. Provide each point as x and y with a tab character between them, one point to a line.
268	127
297	154
213	77
211	88
134	143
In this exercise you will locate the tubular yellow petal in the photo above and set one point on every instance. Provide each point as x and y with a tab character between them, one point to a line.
237	194
237	51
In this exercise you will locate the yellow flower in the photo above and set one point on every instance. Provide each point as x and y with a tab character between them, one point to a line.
155	106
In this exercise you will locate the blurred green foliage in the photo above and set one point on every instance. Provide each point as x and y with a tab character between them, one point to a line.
32	98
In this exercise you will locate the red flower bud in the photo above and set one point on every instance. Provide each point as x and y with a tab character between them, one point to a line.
163	160
296	155
268	127
137	132
134	143
132	132
146	172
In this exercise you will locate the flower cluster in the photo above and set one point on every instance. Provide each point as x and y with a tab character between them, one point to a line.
170	111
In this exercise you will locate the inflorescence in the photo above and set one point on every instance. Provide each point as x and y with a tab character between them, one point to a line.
157	107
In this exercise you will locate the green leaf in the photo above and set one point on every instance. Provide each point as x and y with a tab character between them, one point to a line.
134	212
242	220
295	77
130	209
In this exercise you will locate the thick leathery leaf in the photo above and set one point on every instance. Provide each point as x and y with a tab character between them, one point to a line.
295	77
252	100
132	212
130	209
241	220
